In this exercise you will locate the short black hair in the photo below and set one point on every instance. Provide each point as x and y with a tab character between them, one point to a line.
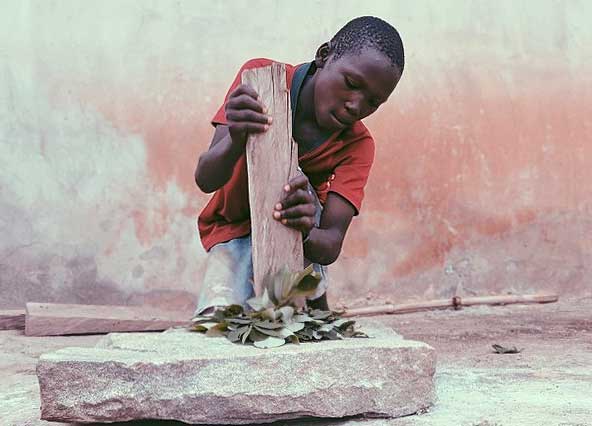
369	31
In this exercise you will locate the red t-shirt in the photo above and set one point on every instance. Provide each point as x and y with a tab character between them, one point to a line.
341	165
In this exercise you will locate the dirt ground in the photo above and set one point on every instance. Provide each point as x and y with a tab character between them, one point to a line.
548	383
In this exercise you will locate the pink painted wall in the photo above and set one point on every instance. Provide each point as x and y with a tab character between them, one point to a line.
479	185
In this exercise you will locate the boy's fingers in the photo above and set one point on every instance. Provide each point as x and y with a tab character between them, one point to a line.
244	89
247	116
304	223
300	196
244	102
301	210
298	181
248	127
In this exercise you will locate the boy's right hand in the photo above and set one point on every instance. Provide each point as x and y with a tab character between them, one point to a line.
245	114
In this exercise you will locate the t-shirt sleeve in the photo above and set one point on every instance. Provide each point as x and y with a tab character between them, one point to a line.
351	174
220	116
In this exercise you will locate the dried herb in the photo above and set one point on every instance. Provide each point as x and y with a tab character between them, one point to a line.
272	319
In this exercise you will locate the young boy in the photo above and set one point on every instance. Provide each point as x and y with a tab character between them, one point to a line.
350	77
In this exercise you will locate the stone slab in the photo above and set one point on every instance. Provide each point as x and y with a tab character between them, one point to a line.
185	376
57	319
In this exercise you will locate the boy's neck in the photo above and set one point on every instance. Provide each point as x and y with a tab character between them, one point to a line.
305	129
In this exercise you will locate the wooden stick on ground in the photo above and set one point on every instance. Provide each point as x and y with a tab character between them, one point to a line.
272	160
456	302
53	319
12	319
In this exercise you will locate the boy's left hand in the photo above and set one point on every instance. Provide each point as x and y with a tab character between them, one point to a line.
297	209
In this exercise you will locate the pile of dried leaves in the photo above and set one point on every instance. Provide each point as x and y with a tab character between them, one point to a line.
273	319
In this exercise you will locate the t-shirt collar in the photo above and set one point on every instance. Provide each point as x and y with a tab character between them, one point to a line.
297	80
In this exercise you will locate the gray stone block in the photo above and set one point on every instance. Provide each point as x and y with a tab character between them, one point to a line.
185	376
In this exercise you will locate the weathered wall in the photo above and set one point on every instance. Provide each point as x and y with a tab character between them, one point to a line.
481	181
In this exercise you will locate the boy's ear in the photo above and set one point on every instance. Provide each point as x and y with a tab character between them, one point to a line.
322	54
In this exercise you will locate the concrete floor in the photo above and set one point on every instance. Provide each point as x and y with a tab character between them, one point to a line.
549	383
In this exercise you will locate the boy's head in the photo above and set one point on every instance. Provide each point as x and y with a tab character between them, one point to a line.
356	71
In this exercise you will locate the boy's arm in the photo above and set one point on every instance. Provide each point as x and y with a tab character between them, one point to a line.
245	114
324	243
215	166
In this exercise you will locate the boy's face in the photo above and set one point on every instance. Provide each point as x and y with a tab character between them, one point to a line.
352	87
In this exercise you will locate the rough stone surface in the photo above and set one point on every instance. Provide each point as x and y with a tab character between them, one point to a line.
475	386
179	375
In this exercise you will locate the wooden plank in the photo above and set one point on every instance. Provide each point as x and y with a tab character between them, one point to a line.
455	302
12	319
272	160
54	319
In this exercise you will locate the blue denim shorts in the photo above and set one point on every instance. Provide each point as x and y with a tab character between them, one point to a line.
228	278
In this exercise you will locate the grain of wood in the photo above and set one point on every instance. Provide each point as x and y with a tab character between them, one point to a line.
272	160
12	319
55	319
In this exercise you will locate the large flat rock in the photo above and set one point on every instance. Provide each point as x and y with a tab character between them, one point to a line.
185	376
